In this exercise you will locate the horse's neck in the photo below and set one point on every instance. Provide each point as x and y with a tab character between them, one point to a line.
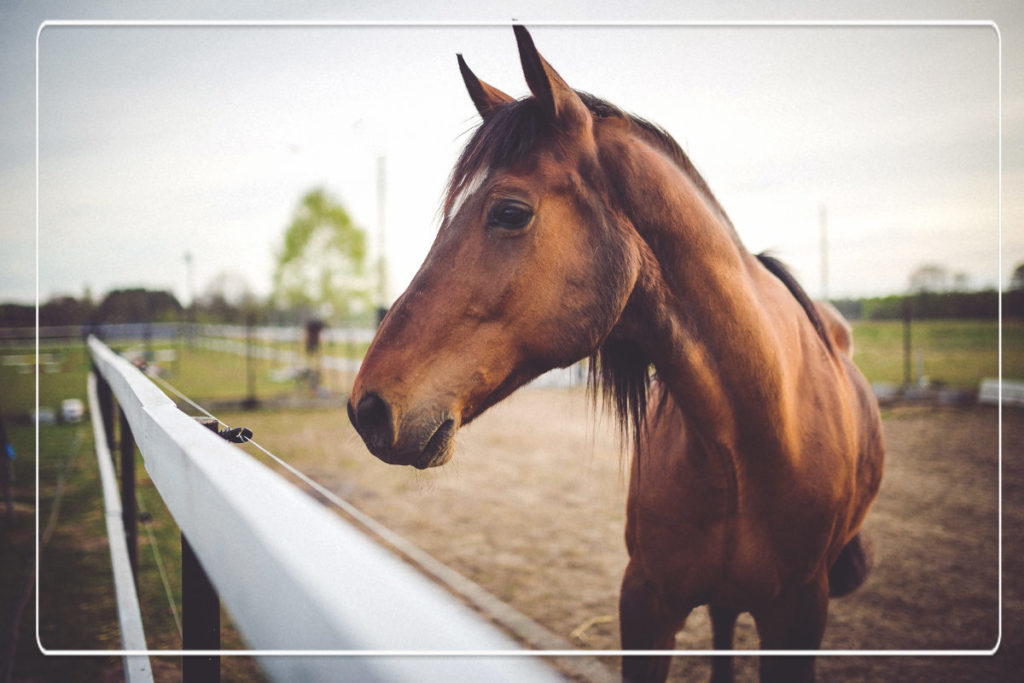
705	313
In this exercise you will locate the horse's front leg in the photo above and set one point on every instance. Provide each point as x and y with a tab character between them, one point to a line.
645	623
723	624
794	621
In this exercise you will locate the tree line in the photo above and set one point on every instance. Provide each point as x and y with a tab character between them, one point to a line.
142	305
934	293
119	306
934	305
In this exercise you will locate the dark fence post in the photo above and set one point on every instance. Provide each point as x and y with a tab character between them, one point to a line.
128	507
200	612
907	315
7	456
250	402
106	400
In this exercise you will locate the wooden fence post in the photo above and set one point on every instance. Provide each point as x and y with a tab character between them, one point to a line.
200	611
128	507
106	399
907	317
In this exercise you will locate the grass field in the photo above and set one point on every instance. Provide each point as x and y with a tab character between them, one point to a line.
956	353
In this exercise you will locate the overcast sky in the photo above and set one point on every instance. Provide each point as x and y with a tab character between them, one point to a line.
157	140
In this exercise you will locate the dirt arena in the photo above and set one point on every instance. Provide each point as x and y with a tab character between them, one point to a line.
532	509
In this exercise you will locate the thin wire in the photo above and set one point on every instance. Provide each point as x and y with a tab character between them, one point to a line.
370	523
170	387
535	635
426	562
158	558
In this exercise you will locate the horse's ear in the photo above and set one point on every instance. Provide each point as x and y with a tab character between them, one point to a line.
559	100
486	98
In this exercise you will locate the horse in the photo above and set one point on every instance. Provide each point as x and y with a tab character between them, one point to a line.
572	230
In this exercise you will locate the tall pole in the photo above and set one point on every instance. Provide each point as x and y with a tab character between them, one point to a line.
823	219
382	265
907	315
190	331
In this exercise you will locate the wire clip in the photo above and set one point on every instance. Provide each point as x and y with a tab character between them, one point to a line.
236	435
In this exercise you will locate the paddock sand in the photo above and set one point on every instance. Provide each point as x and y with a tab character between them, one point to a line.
532	509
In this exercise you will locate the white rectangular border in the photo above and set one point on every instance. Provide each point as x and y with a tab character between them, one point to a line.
550	24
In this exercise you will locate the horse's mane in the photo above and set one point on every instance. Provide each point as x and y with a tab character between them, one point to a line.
619	367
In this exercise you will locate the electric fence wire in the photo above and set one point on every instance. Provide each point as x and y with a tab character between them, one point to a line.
355	513
534	635
146	519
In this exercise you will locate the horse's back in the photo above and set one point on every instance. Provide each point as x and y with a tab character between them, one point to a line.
836	326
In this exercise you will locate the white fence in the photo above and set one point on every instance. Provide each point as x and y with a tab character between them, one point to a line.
295	578
136	669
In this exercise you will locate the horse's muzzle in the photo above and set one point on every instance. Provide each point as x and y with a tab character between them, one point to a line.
421	443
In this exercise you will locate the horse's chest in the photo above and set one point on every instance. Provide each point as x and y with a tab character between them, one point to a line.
714	541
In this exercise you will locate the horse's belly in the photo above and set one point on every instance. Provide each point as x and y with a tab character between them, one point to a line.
699	549
715	565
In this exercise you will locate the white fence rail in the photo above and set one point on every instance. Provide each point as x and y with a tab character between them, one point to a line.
296	578
137	668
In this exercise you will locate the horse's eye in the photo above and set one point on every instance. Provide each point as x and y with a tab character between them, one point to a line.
509	215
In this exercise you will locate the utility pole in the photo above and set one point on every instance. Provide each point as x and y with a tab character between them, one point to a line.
190	283
382	264
823	219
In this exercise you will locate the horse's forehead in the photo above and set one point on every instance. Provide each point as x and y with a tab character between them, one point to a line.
545	169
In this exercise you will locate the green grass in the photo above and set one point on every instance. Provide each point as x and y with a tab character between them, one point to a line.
63	378
957	353
206	374
342	350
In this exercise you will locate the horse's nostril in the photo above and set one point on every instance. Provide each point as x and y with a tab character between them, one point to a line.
372	419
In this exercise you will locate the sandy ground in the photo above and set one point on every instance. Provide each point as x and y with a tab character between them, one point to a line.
532	509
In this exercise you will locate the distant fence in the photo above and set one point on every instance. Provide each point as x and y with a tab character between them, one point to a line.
17	336
293	333
293	575
10	336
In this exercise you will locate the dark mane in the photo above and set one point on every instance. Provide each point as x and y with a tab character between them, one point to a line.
515	129
618	367
779	270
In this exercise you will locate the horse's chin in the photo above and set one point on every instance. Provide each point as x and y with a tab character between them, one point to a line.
440	447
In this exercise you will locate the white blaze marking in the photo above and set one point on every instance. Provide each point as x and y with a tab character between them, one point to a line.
468	189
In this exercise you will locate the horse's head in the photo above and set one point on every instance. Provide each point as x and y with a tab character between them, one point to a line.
531	269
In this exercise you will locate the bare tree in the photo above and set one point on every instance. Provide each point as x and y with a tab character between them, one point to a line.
929	277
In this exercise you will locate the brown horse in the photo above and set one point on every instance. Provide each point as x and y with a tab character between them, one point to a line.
571	229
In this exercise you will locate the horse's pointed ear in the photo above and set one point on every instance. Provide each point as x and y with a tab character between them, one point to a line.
559	100
486	98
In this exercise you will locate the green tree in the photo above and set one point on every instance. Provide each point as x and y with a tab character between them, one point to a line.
1017	280
321	264
138	305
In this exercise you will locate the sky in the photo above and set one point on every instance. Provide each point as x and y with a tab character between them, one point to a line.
157	141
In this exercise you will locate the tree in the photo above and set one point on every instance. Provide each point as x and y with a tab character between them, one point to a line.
65	310
321	264
1017	279
929	277
227	298
138	305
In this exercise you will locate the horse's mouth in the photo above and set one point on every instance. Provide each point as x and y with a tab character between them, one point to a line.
439	447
